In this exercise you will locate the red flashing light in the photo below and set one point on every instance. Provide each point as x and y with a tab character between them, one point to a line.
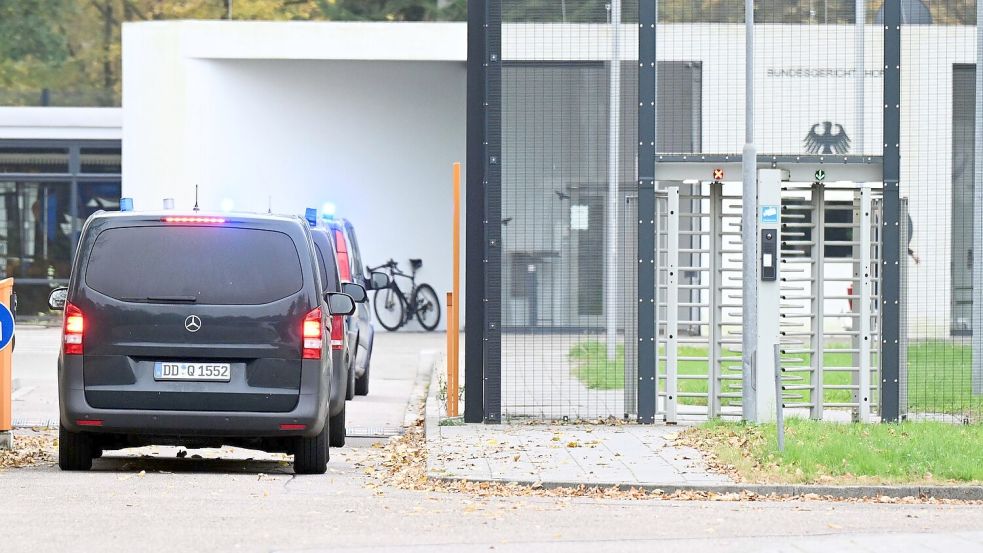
88	422
73	329
312	334
341	249
337	332
287	426
195	220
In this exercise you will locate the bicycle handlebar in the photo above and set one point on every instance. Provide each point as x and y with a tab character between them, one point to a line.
391	264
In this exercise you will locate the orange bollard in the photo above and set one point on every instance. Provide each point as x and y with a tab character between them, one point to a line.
451	366
453	309
6	377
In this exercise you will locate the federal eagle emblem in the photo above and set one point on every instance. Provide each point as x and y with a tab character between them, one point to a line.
822	140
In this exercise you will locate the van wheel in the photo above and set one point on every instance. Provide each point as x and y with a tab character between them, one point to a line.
75	450
337	424
311	454
362	383
350	386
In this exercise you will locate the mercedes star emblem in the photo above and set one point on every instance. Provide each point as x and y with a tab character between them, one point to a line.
192	323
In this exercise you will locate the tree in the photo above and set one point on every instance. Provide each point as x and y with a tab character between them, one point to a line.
72	47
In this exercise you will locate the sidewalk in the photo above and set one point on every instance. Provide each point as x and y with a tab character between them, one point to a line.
627	455
567	454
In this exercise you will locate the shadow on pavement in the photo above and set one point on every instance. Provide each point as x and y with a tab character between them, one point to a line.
111	463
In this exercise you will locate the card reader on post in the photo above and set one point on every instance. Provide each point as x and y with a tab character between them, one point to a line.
769	254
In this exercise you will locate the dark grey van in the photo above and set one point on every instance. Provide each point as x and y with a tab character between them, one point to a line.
198	330
343	343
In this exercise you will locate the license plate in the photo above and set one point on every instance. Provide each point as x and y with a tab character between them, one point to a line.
172	370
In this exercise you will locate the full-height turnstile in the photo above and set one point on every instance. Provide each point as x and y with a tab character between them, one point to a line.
828	297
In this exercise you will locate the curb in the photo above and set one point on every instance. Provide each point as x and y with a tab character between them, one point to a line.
431	416
419	397
958	493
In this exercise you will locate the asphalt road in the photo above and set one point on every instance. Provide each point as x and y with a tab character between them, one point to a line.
237	500
201	505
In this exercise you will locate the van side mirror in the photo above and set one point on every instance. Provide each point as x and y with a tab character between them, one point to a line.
58	298
339	304
356	291
378	281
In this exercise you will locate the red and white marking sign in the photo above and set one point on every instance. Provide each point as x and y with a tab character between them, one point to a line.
718	175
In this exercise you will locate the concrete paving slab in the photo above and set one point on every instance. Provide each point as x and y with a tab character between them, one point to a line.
567	453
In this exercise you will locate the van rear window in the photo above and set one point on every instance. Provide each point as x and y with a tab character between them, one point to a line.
204	265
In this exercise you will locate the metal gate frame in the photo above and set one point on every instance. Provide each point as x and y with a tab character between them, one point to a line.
483	257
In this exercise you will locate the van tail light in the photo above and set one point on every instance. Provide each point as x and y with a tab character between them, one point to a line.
337	332
312	333
344	270
73	330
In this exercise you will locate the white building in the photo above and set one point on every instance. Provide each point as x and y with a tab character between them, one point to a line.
368	116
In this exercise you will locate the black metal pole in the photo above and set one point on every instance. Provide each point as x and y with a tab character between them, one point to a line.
646	210
892	258
493	211
474	237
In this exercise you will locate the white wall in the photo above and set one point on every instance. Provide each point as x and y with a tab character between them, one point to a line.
376	137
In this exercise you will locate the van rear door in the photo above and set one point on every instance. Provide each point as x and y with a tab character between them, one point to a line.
228	300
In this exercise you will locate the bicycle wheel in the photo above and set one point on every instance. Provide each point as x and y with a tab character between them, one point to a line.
389	310
427	306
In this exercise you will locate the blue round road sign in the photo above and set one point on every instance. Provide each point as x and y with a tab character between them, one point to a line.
6	326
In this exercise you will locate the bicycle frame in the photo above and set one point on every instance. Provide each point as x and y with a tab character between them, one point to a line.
410	309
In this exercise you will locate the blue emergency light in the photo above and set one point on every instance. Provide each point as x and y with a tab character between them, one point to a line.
328	210
311	216
126	204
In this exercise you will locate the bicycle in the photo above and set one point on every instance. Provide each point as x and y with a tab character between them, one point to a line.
392	308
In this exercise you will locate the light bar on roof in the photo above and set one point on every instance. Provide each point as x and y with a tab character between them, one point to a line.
195	220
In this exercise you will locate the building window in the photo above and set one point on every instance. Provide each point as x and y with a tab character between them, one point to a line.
47	190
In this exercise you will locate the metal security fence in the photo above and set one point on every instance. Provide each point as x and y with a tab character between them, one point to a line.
942	368
568	128
605	208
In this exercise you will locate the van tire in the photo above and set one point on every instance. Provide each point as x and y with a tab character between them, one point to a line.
337	432
362	384
75	450
311	453
350	385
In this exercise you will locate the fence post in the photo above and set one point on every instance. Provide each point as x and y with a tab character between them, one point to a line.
864	312
646	211
475	232
672	304
891	256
